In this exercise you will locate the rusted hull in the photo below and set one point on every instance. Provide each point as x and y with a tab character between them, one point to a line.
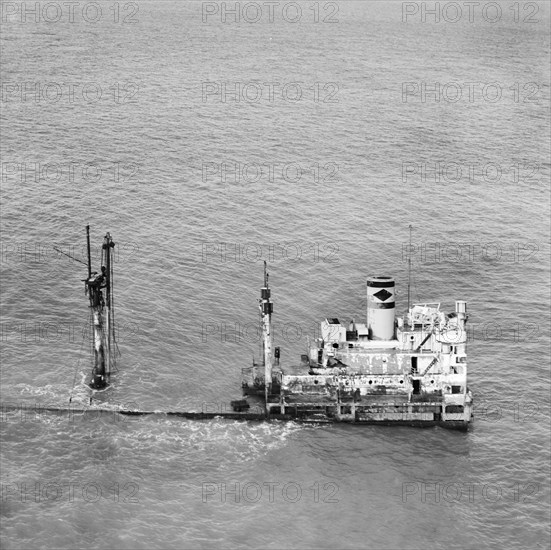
448	424
242	416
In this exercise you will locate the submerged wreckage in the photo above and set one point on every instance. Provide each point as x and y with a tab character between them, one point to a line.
409	370
103	313
390	370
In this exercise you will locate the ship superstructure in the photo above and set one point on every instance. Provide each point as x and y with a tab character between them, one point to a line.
392	370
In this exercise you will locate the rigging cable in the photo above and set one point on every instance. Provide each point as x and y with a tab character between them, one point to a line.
68	255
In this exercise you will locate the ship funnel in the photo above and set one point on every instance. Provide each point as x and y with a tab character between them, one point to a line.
461	310
380	308
460	306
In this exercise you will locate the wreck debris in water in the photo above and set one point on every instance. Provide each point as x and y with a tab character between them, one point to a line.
409	370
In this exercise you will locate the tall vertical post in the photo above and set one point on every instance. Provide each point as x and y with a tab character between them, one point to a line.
107	263
89	255
106	249
103	318
409	267
266	310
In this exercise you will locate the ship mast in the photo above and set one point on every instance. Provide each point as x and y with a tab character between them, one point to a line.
102	313
266	310
88	248
409	266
